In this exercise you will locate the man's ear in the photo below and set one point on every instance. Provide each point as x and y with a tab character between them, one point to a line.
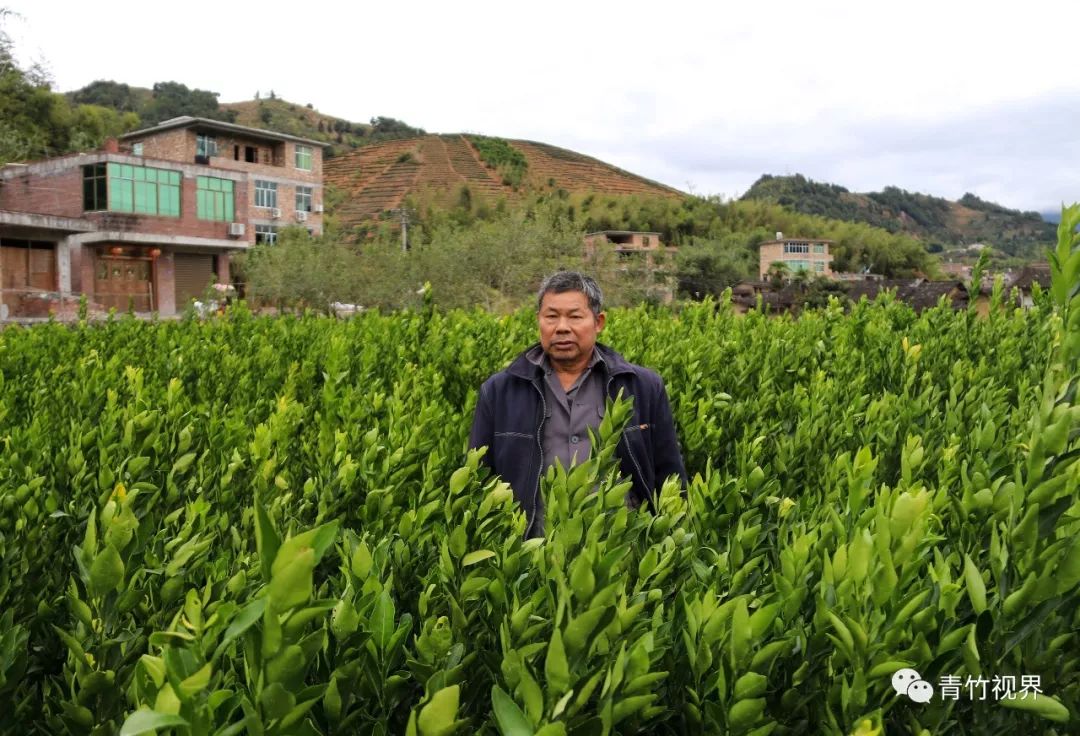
600	320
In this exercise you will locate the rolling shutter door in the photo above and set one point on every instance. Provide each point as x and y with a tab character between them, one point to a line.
193	273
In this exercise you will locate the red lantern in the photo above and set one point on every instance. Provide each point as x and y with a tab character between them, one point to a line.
116	250
155	252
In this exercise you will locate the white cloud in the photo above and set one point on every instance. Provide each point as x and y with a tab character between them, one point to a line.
925	95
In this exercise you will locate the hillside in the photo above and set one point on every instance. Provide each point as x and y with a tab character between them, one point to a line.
446	168
307	122
936	221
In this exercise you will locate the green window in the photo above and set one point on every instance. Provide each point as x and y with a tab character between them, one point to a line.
143	190
303	158
214	198
819	247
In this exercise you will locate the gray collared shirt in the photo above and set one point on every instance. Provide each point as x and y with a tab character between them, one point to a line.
570	413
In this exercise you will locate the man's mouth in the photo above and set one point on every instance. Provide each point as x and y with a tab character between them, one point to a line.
563	344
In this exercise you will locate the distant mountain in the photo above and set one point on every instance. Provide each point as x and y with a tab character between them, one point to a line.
936	221
1053	216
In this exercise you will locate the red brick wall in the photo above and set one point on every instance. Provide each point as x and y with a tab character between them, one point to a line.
171	145
58	194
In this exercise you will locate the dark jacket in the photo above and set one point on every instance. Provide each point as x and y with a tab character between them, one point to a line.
509	421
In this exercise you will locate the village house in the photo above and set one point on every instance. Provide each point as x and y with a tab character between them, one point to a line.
1025	281
153	219
626	243
797	254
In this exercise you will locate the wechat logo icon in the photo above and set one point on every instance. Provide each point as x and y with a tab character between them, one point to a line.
910	683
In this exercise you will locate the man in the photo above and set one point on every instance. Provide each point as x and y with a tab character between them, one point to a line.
541	407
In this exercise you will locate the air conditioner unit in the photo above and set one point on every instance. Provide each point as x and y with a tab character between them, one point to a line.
236	229
301	216
318	208
275	213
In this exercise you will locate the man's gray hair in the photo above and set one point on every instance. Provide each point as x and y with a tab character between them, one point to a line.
564	281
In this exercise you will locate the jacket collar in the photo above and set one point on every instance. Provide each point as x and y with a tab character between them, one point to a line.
524	368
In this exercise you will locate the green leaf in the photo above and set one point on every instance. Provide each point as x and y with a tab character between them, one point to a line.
438	716
579	629
291	586
267	540
243	621
107	572
511	719
147	721
382	621
276	701
552	729
1045	706
478	556
556	670
318	540
976	588
458	479
196	683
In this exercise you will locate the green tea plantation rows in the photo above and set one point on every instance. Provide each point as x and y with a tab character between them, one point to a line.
249	525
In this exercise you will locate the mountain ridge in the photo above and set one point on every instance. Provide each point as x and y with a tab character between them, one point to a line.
936	221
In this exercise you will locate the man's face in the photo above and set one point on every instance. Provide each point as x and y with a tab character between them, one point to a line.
568	328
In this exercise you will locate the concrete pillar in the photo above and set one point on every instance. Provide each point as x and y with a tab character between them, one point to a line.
75	253
63	266
223	268
165	283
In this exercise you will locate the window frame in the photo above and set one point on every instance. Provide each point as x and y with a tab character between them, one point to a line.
266	194
215	204
302	152
144	190
206	145
266	234
98	190
305	198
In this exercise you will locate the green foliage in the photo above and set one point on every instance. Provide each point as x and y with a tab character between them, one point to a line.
173	99
503	157
496	264
268	525
932	219
107	93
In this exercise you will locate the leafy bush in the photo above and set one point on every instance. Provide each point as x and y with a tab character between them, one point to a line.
256	525
503	157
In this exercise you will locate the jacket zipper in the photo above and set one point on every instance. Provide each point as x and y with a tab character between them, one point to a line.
540	447
630	451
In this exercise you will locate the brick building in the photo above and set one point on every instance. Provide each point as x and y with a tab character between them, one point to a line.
153	219
806	254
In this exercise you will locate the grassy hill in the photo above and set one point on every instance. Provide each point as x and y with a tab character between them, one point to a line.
936	221
448	169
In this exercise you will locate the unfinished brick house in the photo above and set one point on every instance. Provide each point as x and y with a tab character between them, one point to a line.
150	221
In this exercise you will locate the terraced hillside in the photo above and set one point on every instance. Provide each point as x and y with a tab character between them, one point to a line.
576	172
378	177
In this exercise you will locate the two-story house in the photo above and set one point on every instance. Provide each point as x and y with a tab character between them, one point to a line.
150	221
798	254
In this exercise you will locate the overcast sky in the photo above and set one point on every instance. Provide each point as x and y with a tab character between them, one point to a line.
942	97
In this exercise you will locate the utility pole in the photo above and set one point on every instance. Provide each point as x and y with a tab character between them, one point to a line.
403	214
